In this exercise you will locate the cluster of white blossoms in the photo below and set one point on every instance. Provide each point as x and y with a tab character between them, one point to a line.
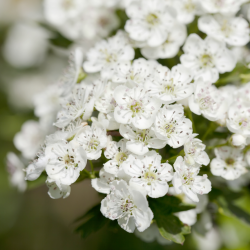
130	113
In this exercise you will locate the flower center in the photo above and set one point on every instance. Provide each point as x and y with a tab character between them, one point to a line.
169	128
68	160
136	107
67	4
150	176
127	205
230	161
152	19
207	60
189	6
205	102
169	88
225	28
93	144
121	157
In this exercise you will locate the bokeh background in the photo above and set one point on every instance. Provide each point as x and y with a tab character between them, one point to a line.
32	220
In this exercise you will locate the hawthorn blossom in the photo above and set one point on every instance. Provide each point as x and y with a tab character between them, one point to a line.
186	180
172	126
57	190
107	54
128	206
207	58
170	86
208	101
195	152
170	47
139	141
92	139
229	163
135	106
149	174
232	30
65	161
149	21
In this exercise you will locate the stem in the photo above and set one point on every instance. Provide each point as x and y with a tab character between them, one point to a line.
210	129
190	116
217	146
92	173
114	133
173	158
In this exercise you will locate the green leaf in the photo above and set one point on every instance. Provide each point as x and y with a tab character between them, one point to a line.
93	221
170	227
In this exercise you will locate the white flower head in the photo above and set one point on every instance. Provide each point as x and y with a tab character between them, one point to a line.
195	152
57	190
170	47
135	106
79	104
172	126
65	161
134	74
232	30
150	21
93	139
229	163
106	55
118	154
208	101
238	140
128	206
170	86
239	118
149	174
140	140
16	172
187	181
207	58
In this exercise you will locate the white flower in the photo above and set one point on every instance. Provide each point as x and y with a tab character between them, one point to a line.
149	174
207	58
170	47
57	12
93	139
26	45
172	126
118	154
29	139
135	106
195	152
57	190
150	21
106	55
208	101
79	104
239	119
170	86
187	181
152	233
187	10
65	161
139	141
238	140
229	163
16	172
134	74
232	30
222	6
128	206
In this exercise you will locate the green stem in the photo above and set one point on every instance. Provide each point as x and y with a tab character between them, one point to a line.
217	146
190	116
92	174
210	129
173	158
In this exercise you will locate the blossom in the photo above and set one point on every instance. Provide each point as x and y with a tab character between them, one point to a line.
232	30
16	172
195	152
239	119
229	163
170	86
57	189
128	206
135	106
171	125
78	104
29	139
207	58
149	174
106	55
208	101
170	47
65	161
149	21
187	181
139	141
118	154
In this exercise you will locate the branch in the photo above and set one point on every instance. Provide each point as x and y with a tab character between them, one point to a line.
114	133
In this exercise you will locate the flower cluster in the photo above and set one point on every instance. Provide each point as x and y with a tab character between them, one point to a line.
134	114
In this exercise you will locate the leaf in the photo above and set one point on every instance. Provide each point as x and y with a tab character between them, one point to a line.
170	227
93	221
